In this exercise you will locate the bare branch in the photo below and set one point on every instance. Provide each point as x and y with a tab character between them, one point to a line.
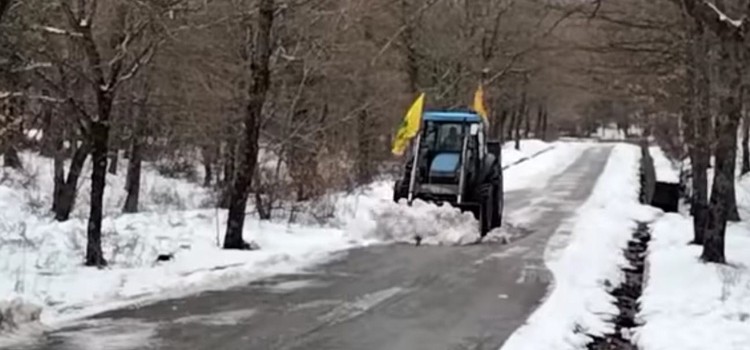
58	31
143	59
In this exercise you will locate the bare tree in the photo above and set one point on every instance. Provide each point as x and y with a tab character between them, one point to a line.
260	76
135	151
131	39
731	46
745	148
11	117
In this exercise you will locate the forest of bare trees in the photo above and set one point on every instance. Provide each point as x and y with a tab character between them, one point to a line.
320	86
678	67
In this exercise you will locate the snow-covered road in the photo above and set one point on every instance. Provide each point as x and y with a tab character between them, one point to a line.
378	297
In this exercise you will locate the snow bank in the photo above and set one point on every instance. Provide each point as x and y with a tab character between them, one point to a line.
536	173
46	266
688	304
666	171
33	190
528	148
41	259
17	313
578	302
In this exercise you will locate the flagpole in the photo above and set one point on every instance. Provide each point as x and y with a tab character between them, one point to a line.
413	175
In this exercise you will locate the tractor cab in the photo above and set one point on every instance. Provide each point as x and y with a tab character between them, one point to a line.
450	142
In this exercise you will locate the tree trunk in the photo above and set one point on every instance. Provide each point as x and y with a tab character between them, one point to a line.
538	126
723	186
138	112
230	158
100	136
511	127
113	159
302	158
260	81
13	136
702	136
133	177
410	52
59	182
544	125
364	161
208	159
733	213
99	149
527	125
263	207
50	132
11	158
517	130
745	148
498	128
522	112
56	150
69	189
700	195
727	123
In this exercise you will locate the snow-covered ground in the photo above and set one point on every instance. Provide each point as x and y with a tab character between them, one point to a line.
529	148
536	173
688	304
666	170
612	132
41	259
588	266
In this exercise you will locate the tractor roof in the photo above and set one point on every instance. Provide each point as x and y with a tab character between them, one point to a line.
452	116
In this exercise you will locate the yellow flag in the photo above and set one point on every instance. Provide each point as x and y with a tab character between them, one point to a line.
479	103
409	127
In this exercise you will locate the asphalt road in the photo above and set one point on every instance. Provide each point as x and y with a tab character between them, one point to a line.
396	297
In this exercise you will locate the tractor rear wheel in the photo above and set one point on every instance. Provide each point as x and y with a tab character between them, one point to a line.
486	209
497	201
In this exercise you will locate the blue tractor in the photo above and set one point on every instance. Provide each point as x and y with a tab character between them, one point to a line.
452	161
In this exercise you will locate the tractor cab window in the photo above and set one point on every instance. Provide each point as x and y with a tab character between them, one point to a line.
451	139
446	137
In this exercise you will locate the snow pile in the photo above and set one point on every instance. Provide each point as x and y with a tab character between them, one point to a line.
433	223
666	171
688	304
579	303
372	215
16	313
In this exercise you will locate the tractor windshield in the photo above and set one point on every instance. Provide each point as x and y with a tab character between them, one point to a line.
447	137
